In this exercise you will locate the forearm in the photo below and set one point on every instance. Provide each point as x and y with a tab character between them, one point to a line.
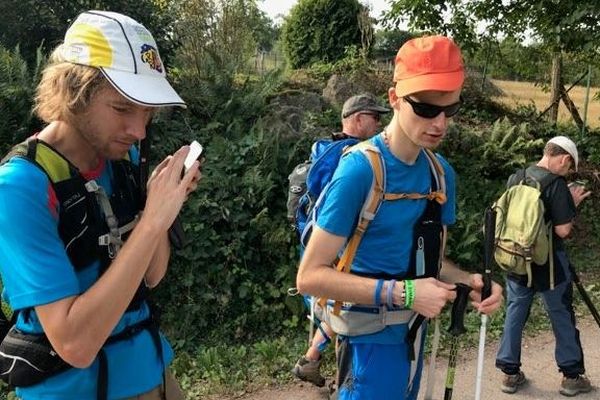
324	281
159	262
79	326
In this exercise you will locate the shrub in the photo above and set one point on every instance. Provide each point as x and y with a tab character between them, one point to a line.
320	30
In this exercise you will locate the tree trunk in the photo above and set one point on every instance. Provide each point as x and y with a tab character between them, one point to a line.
572	108
556	85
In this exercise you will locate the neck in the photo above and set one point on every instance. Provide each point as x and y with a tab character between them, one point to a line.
66	139
400	145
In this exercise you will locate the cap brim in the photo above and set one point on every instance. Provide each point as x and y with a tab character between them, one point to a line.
447	82
379	109
144	90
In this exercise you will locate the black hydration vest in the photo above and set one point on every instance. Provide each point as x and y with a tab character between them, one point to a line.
89	234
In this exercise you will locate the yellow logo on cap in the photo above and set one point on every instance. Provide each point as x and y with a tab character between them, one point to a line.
99	50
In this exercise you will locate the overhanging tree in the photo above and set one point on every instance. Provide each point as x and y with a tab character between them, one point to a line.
562	26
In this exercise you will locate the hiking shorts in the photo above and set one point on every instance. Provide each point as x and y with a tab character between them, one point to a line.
172	392
370	371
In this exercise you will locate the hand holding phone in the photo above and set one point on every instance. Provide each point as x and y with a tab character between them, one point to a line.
195	152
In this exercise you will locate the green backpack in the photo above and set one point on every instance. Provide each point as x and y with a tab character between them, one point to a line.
522	235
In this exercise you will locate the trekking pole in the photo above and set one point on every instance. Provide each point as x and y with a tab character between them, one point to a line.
488	249
586	298
457	328
431	368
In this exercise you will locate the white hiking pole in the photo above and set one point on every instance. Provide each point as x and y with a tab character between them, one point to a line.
431	368
489	233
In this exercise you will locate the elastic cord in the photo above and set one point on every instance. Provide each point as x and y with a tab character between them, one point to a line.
377	294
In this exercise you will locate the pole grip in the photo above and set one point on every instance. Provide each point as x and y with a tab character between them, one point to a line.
457	322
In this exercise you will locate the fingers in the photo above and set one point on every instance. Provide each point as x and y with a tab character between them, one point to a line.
490	304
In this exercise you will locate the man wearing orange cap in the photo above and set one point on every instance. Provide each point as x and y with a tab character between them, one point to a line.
77	255
396	267
560	202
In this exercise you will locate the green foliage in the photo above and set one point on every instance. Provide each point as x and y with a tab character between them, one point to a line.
34	23
388	41
17	88
320	30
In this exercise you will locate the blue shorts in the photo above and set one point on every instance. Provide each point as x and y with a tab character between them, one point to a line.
368	371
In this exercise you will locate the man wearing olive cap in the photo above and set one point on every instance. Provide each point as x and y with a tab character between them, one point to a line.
396	265
77	256
560	202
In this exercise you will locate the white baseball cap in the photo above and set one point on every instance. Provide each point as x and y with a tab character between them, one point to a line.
567	145
125	52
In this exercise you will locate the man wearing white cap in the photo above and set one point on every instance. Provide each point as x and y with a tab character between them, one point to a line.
77	256
560	201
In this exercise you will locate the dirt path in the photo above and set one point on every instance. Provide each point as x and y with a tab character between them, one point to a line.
538	365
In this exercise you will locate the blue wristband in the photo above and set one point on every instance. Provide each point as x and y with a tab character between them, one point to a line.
390	294
377	294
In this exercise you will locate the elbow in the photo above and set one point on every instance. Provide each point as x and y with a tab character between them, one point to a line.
77	355
301	283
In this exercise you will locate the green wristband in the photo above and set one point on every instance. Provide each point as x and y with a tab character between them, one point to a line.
409	287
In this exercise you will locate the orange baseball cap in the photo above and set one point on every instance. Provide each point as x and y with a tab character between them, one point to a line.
428	63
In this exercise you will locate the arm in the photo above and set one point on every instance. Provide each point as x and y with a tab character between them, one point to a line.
317	277
160	260
78	326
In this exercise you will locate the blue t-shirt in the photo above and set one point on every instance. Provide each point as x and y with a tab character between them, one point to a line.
36	270
386	245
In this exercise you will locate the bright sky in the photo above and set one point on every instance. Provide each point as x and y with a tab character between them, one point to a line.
275	7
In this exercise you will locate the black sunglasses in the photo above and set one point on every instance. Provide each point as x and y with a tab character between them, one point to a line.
426	110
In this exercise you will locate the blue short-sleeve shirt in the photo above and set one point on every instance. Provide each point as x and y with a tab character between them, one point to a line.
36	270
386	245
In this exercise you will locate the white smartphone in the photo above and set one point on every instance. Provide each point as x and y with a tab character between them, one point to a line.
195	152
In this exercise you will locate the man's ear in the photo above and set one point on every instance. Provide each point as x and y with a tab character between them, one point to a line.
393	98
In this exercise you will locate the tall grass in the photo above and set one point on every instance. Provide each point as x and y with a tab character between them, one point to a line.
523	93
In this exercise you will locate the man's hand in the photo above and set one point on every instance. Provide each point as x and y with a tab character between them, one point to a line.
431	296
490	304
167	190
579	193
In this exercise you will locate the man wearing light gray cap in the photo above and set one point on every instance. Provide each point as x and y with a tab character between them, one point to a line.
77	255
560	201
361	116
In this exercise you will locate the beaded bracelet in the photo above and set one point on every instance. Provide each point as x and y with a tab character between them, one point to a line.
409	287
377	294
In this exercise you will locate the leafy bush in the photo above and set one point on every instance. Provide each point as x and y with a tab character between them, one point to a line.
320	30
17	88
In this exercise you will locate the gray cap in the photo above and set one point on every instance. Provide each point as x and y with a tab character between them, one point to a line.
362	102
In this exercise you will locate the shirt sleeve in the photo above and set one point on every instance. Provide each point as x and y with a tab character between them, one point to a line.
562	207
345	195
34	265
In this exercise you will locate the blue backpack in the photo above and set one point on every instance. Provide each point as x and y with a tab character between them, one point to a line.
309	179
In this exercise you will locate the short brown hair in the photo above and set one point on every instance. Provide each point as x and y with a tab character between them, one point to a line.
66	89
552	149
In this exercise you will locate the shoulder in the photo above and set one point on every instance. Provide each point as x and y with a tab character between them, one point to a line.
19	172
